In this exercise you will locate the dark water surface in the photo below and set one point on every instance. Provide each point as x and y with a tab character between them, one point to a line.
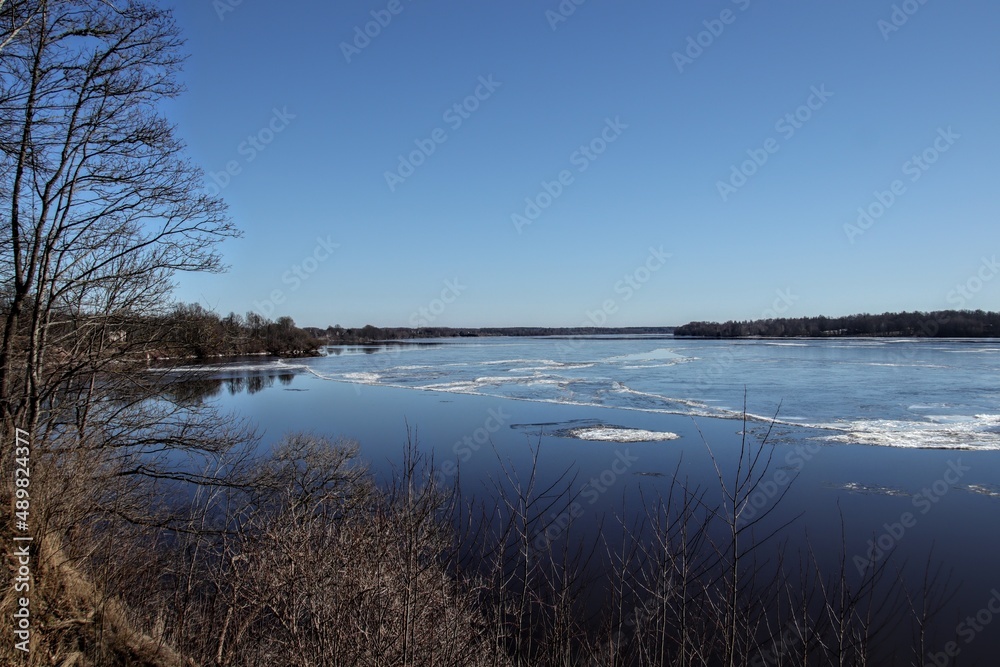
879	434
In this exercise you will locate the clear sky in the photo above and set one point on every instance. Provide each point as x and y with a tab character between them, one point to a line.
626	163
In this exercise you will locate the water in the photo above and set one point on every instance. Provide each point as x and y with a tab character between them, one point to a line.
900	392
871	430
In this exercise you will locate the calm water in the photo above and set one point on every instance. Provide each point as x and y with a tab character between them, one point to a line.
871	429
900	393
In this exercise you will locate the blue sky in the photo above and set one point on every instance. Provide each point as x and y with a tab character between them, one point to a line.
739	138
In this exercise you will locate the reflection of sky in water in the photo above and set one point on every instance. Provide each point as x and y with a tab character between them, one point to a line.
903	393
878	392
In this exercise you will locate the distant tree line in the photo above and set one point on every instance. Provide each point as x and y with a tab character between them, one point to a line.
180	331
938	324
191	330
369	334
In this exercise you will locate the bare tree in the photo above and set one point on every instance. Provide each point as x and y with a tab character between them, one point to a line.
99	208
101	205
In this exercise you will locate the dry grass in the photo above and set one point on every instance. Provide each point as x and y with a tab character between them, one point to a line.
74	623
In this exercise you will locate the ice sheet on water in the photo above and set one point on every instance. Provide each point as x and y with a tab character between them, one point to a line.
619	434
981	432
988	490
659	354
595	430
276	365
868	489
363	378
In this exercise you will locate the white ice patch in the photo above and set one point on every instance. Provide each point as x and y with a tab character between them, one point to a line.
504	379
619	434
504	362
988	490
362	378
644	367
661	354
249	367
926	406
871	489
548	367
952	432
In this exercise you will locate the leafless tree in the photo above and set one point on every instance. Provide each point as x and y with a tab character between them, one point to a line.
101	207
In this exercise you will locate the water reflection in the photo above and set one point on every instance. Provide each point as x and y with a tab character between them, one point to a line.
251	384
186	391
372	348
192	388
191	392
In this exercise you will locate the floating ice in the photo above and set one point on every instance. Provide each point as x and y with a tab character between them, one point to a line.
870	489
660	354
988	490
618	434
363	378
950	432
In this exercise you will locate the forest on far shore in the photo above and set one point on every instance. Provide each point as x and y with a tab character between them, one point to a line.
335	335
938	324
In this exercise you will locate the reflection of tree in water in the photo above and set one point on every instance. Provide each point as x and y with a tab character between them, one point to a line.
236	385
257	383
251	384
191	392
